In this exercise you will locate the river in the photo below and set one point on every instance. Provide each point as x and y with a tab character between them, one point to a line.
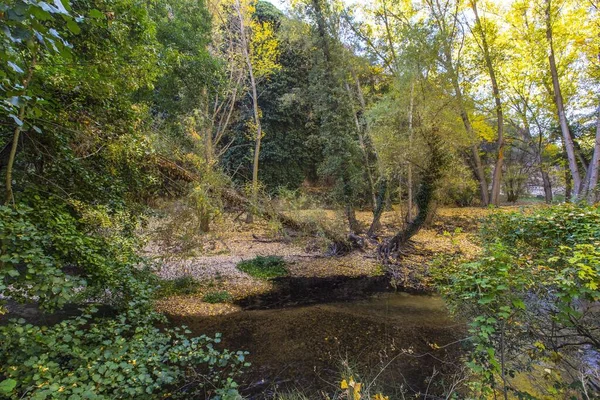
304	334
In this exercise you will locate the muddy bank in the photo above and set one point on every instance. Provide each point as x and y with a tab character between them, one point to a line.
297	342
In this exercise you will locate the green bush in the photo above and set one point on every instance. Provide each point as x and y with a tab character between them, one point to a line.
264	267
221	296
53	254
458	188
532	296
48	252
123	357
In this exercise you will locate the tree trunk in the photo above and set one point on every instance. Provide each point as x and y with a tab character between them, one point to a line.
568	185
11	157
352	221
255	109
381	198
558	100
591	186
497	176
388	199
477	166
537	151
204	222
365	135
448	62
363	148
17	132
547	185
409	214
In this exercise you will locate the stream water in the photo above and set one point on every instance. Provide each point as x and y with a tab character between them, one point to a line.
307	331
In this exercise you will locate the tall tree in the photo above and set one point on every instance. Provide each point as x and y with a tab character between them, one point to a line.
340	148
483	41
558	101
259	50
445	17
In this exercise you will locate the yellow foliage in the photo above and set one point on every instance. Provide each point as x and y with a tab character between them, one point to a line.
379	396
482	128
352	387
264	49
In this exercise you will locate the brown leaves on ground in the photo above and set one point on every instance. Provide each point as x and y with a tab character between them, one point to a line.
213	263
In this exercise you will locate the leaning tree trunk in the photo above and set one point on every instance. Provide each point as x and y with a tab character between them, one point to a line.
380	205
477	165
340	242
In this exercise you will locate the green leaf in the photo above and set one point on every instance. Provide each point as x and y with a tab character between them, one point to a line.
96	14
73	27
518	303
7	386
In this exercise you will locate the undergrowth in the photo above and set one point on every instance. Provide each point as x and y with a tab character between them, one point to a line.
221	296
184	285
264	267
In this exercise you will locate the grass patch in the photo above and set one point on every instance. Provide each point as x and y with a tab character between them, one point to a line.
221	296
264	267
180	286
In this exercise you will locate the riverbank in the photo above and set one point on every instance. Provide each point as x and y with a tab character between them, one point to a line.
213	267
328	316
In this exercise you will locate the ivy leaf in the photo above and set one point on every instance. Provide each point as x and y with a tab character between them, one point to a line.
96	14
41	14
518	303
73	27
7	386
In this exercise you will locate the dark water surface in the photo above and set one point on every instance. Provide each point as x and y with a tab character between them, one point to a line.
301	335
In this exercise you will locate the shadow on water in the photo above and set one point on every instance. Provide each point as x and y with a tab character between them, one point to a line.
302	333
297	291
32	314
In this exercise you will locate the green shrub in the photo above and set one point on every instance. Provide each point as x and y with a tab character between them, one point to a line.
52	254
123	357
264	267
221	296
532	296
49	253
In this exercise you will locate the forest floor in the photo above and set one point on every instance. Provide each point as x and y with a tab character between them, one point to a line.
212	260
